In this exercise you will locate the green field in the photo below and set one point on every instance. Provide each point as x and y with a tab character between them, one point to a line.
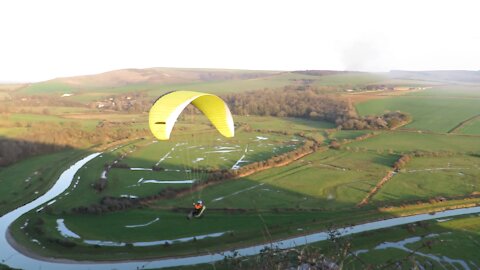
351	80
417	141
431	109
472	127
313	193
437	244
282	199
47	87
450	91
29	179
442	176
176	156
269	199
453	244
283	124
95	89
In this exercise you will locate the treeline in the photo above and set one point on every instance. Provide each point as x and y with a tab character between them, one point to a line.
12	151
47	137
290	102
388	120
310	104
402	162
107	204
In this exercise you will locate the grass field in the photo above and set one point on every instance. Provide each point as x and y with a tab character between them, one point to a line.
433	113
437	244
23	120
47	87
472	127
329	180
412	141
454	244
350	80
182	153
464	91
442	176
30	178
283	124
306	195
89	91
322	185
326	182
310	194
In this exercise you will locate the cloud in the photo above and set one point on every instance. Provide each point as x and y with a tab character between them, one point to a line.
367	53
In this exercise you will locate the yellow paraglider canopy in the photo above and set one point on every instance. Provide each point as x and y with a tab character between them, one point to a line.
167	108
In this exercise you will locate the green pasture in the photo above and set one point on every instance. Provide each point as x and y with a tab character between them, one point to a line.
47	87
431	113
456	239
283	124
436	244
90	96
341	135
210	149
80	192
428	177
339	179
30	118
328	180
472	127
351	79
110	116
28	179
307	195
311	193
241	228
178	158
461	91
400	141
53	110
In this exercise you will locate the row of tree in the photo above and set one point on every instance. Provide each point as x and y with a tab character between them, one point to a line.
48	137
291	103
12	151
311	104
388	120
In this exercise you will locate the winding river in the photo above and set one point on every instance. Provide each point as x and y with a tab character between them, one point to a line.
15	259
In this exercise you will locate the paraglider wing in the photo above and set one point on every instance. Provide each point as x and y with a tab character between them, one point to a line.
167	108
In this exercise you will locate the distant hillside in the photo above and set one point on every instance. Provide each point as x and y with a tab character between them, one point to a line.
458	76
322	72
160	76
148	76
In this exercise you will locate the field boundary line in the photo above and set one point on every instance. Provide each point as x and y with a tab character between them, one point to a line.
463	123
376	188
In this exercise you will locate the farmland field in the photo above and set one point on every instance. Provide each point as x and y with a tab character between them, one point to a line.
33	177
430	113
413	141
133	197
472	127
424	176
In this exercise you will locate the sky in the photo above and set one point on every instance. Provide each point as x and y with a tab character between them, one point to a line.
41	40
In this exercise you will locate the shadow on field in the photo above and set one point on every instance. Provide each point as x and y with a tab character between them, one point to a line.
248	210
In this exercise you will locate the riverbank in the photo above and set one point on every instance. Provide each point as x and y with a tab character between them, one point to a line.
250	250
288	241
